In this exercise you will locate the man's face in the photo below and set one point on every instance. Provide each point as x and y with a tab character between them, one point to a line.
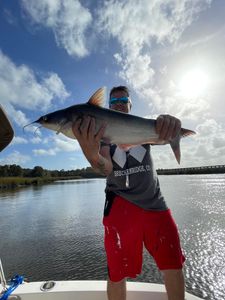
118	104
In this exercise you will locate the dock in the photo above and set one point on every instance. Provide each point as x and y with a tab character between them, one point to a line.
217	169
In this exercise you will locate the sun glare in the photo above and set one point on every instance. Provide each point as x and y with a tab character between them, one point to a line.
193	84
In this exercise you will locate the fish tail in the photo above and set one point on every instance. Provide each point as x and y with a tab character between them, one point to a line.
186	132
175	145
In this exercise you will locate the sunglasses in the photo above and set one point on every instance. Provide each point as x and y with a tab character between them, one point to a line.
122	100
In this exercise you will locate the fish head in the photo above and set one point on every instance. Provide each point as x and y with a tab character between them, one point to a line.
51	121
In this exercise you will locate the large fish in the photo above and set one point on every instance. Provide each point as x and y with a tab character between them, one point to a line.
121	128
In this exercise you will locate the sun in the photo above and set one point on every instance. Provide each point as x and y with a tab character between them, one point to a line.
193	84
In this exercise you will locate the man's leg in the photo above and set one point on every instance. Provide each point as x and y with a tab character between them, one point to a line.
116	290
174	282
123	245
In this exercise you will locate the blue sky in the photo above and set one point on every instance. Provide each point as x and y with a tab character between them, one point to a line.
170	54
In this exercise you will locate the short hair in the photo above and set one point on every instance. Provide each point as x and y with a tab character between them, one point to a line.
119	88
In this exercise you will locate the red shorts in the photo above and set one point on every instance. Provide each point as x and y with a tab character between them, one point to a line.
129	227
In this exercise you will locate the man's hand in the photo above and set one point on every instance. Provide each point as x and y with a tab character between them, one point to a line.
84	131
168	127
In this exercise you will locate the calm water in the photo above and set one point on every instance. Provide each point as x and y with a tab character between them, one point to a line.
55	231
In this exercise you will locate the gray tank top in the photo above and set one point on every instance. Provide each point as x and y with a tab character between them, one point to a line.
134	177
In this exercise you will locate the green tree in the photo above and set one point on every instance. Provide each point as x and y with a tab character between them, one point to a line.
37	172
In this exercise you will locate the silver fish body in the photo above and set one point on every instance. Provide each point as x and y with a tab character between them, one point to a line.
121	128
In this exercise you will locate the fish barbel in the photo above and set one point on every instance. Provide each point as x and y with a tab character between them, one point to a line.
121	128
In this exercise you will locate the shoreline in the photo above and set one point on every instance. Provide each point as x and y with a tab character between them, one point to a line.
12	183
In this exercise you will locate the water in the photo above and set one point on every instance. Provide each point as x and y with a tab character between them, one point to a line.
55	231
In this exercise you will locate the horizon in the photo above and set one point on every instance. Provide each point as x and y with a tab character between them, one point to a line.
180	168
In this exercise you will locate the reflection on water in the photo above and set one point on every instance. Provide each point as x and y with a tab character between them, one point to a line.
55	231
199	209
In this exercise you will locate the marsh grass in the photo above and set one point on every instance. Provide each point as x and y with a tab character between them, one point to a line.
16	182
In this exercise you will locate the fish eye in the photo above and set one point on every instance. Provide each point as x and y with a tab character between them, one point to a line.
44	118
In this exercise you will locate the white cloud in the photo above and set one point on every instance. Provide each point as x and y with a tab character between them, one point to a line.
15	158
66	144
68	19
59	143
19	87
19	140
16	115
219	142
209	143
139	25
136	69
36	140
209	128
55	87
182	107
47	152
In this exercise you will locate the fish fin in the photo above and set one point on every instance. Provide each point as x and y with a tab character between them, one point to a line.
98	98
175	145
186	132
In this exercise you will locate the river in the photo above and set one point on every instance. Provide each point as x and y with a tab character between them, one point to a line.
55	231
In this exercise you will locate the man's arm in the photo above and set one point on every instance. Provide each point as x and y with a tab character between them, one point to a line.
105	165
99	157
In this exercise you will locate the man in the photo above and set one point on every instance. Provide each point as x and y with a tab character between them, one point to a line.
6	130
135	210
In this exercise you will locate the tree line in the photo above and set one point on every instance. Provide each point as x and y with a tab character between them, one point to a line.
17	171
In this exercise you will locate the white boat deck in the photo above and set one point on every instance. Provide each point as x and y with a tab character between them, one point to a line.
89	290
